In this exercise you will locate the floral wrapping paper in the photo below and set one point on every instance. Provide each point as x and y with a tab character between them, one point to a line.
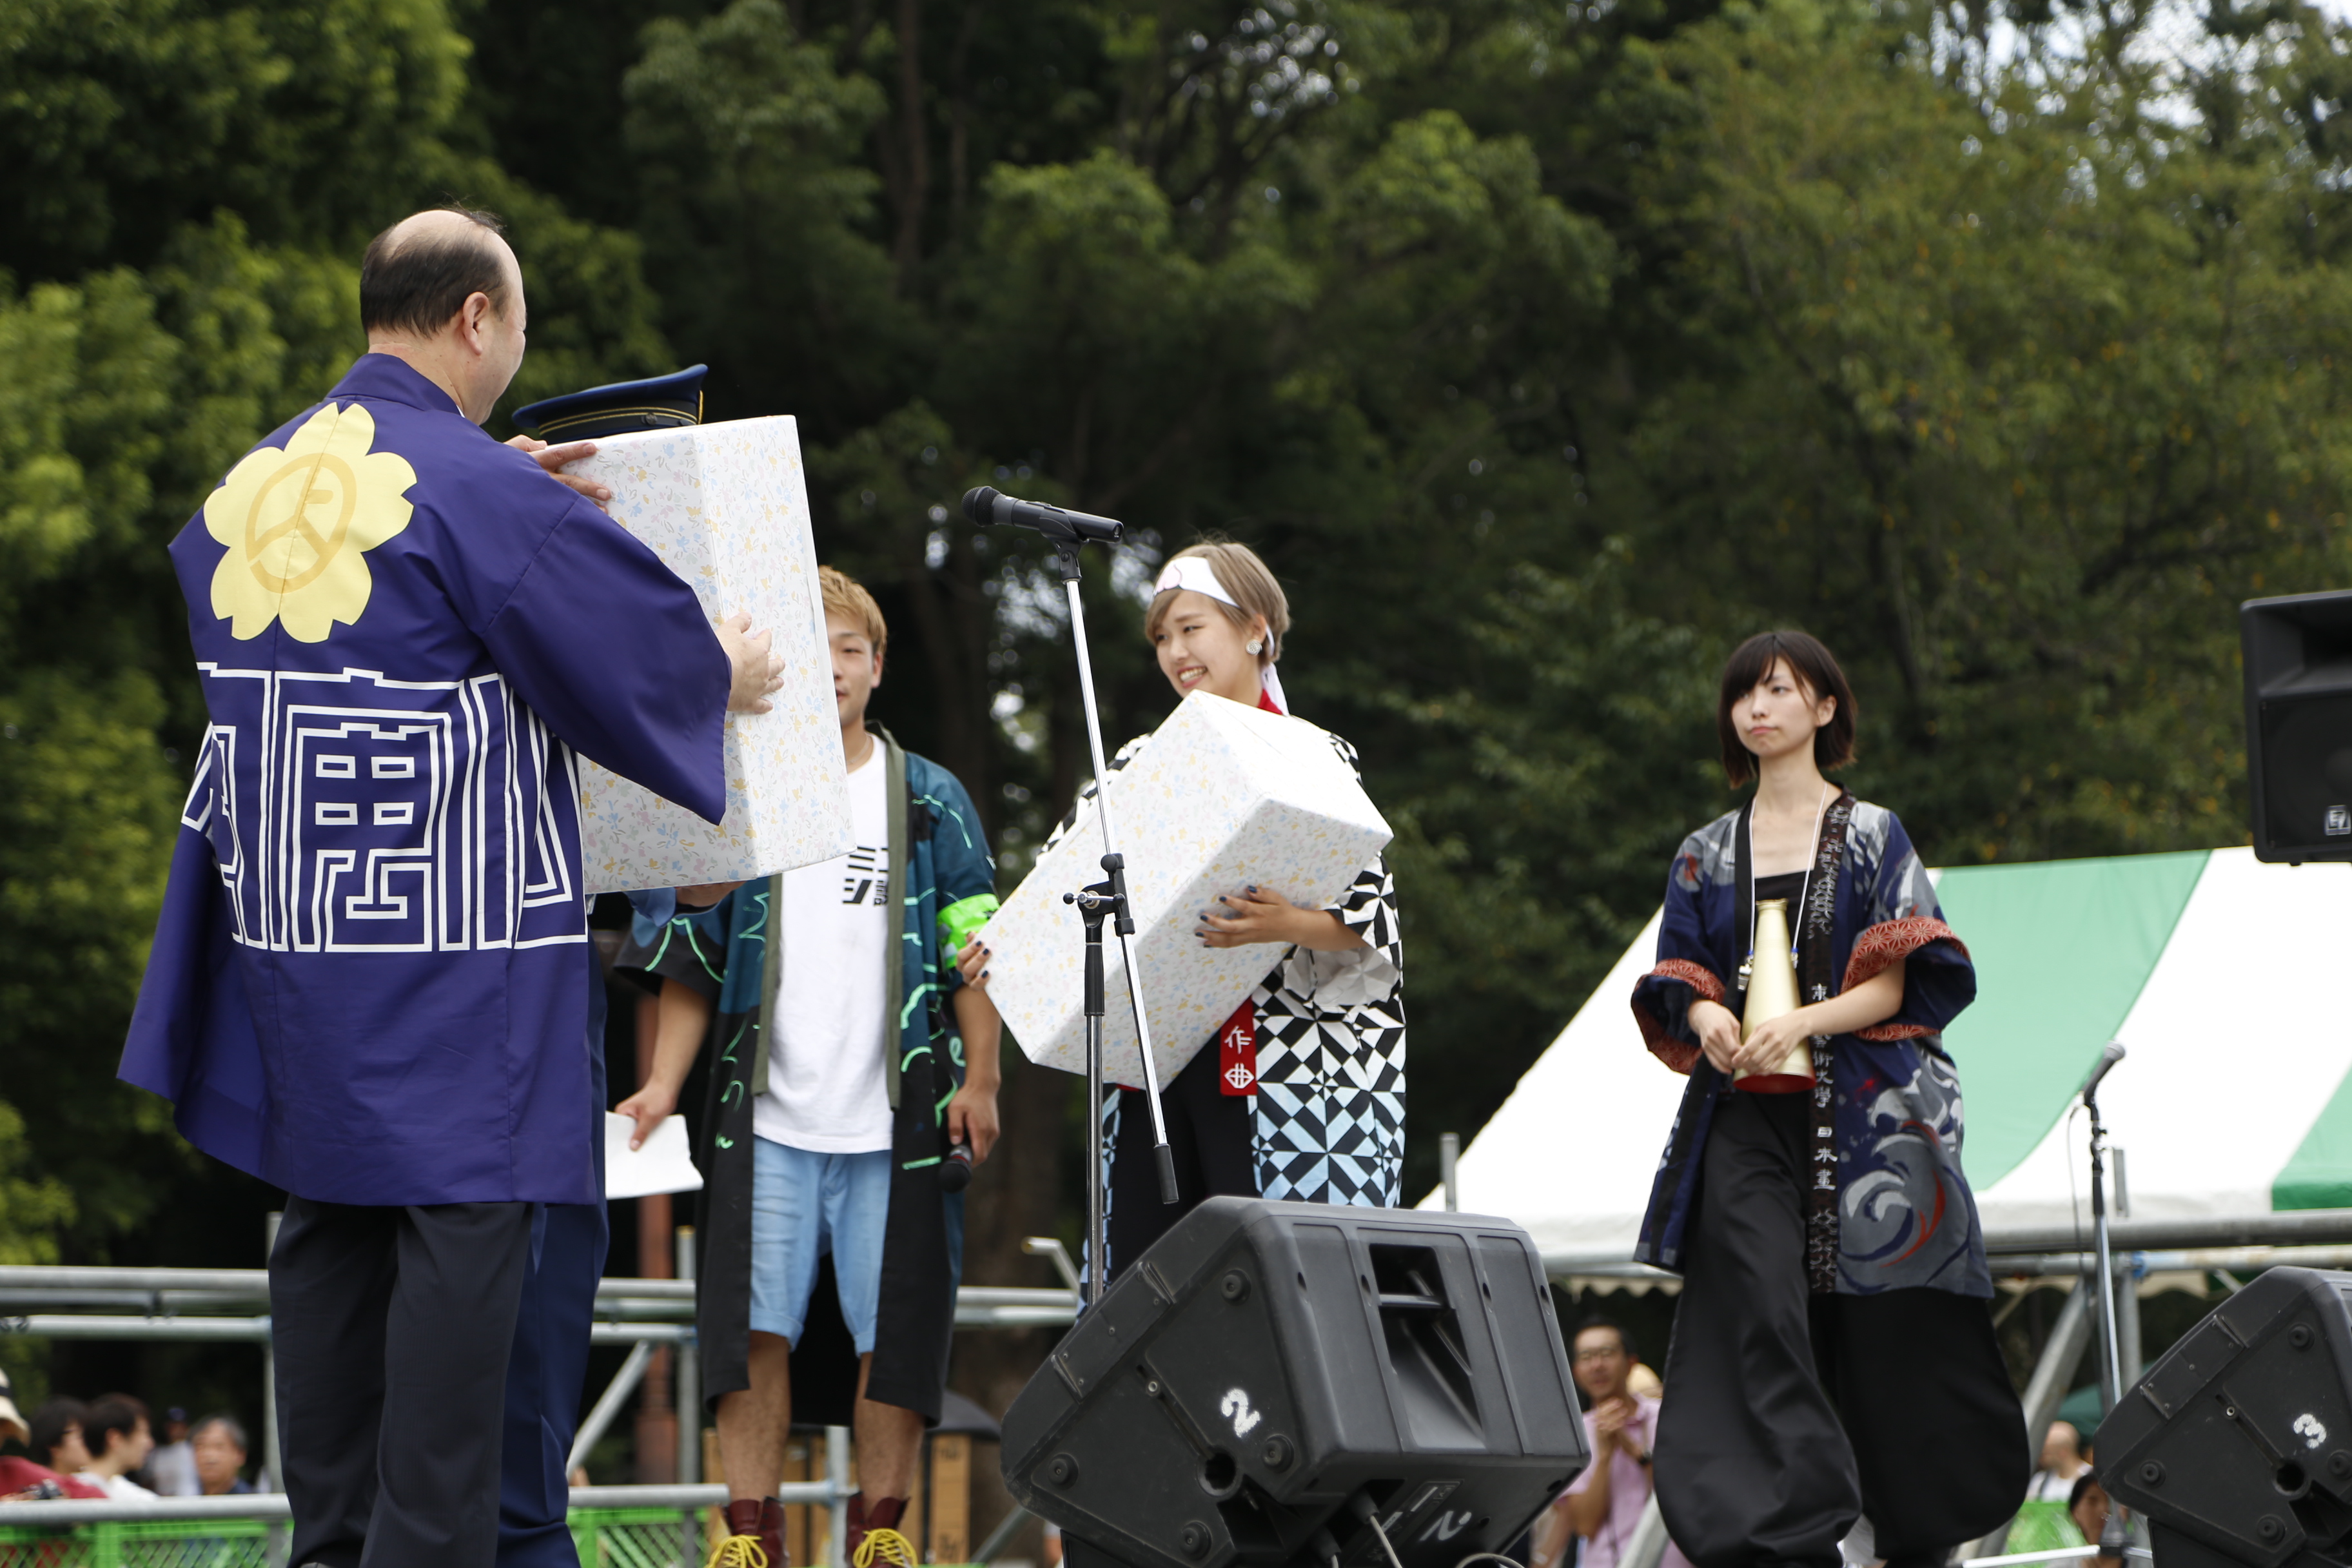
1221	797
726	508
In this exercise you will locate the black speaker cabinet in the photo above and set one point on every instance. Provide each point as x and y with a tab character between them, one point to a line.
2298	657
2238	1444
1270	1377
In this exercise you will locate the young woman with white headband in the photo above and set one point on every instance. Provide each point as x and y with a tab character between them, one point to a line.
1301	1096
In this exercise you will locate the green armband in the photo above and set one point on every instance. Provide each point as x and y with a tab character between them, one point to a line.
960	919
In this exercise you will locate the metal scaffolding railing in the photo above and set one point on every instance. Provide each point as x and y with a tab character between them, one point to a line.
231	1306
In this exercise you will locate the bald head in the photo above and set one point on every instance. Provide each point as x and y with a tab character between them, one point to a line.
417	274
442	290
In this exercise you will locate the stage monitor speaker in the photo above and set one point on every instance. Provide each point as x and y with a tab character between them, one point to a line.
2298	657
2238	1444
1270	1378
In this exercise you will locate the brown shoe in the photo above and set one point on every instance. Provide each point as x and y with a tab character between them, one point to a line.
755	1536
874	1535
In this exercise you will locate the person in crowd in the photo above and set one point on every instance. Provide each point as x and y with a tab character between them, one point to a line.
56	1436
1604	1504
119	1439
217	1445
1301	1094
1833	1355
172	1469
29	1479
404	631
850	1060
2062	1465
2088	1506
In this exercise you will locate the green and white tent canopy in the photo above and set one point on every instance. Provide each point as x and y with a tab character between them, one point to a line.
2217	971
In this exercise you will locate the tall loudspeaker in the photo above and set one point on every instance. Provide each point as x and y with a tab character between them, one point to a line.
2238	1444
1271	1377
2298	657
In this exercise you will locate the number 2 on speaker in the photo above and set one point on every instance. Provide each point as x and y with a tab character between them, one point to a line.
1236	1405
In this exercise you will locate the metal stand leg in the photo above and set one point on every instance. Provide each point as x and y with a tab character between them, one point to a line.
273	1465
837	1475
688	1373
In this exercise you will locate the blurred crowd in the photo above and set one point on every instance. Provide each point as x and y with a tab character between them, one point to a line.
113	1447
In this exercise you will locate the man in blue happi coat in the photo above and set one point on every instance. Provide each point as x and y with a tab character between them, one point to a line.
370	983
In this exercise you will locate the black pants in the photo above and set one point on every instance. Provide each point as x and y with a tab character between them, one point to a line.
1787	1413
391	1329
1208	1133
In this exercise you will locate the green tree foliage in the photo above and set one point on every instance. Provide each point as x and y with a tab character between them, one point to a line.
184	188
2023	397
1544	351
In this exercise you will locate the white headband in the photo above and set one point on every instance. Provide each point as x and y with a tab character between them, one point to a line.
1195	573
1192	571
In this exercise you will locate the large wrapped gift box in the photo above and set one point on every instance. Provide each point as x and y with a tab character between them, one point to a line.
726	508
1220	798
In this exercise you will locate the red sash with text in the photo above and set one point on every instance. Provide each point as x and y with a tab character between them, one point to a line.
1237	1041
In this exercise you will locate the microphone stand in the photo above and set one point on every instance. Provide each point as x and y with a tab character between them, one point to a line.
1104	900
2111	1375
2115	1538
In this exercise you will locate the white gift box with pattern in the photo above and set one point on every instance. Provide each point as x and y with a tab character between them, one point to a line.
726	508
1220	798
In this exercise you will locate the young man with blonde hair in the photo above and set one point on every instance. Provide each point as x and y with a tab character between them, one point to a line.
850	1063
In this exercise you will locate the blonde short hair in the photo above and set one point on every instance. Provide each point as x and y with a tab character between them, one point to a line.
846	598
1248	580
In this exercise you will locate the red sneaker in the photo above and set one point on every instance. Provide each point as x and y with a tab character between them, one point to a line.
874	1535
755	1536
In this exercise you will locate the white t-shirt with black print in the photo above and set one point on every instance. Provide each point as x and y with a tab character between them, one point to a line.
826	1091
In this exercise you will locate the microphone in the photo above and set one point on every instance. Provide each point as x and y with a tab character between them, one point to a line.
955	1170
989	507
2107	1059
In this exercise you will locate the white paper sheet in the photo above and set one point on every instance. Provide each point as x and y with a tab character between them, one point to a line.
663	1166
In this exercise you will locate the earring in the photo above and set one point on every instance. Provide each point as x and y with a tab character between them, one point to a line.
1254	645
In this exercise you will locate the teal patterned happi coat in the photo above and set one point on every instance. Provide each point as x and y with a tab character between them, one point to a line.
946	883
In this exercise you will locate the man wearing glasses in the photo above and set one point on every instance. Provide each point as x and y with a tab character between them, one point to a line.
1604	1505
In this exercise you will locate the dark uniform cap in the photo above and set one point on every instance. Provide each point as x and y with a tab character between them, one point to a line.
657	403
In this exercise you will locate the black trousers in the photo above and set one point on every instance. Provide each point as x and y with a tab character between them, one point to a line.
391	1329
1208	1134
1787	1414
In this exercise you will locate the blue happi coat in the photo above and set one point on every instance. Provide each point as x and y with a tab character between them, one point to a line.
1889	1100
370	982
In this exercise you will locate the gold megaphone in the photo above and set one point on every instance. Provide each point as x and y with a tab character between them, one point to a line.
1772	989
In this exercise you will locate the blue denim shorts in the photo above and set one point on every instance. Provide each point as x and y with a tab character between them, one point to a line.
803	1205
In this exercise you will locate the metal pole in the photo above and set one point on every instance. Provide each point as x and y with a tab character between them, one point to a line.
608	1405
1069	557
689	1377
1098	1233
1449	1151
272	1453
2111	1375
837	1475
2127	1317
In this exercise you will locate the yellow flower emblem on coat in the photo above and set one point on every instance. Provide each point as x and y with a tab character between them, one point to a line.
298	523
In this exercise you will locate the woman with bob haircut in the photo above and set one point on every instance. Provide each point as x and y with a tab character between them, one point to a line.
1301	1094
1833	1355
